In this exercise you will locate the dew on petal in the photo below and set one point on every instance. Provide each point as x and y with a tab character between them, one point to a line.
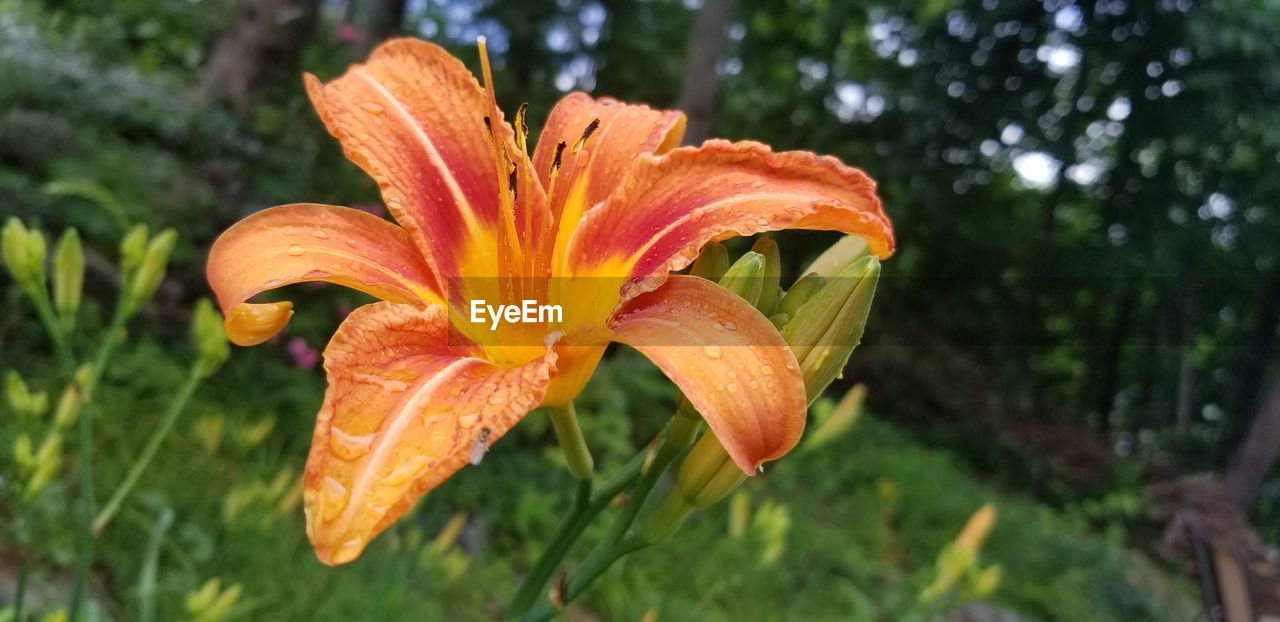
349	446
712	351
295	250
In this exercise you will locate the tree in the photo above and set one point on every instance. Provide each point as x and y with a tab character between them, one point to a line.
264	40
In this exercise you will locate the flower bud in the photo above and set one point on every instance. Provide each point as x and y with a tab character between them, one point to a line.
849	249
209	337
47	462
68	277
772	276
977	529
801	291
24	254
711	262
24	454
708	474
744	277
151	270
839	420
824	331
23	402
68	408
739	512
132	248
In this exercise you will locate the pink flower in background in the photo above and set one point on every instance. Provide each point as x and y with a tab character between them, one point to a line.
304	356
350	33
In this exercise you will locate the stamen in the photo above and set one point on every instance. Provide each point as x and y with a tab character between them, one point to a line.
591	128
508	239
555	162
522	128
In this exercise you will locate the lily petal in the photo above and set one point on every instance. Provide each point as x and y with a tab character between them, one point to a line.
413	118
587	176
670	206
306	242
729	361
405	409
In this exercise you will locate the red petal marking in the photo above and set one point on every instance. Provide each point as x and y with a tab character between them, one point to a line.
404	410
727	359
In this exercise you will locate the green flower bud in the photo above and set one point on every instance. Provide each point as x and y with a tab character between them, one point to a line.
824	331
47	462
800	293
849	249
132	247
769	289
23	453
22	400
744	277
68	408
68	277
209	337
152	269
838	420
708	474
711	262
24	254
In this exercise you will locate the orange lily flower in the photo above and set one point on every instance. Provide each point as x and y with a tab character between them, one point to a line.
596	220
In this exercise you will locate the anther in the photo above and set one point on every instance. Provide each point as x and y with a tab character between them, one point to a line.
586	133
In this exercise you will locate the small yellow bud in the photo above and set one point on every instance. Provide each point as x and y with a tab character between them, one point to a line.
68	408
210	339
449	534
23	402
68	277
739	513
132	248
839	420
977	529
24	454
711	262
986	582
24	254
48	460
152	269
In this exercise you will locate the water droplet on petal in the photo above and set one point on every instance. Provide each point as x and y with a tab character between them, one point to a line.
406	470
732	387
712	351
320	234
349	446
335	498
468	420
372	107
295	250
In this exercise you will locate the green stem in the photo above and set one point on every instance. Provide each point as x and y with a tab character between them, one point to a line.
108	345
576	453
585	509
618	544
140	465
19	512
147	578
61	340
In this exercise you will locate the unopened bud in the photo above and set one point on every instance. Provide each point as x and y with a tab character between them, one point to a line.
772	276
977	529
68	407
824	331
849	249
47	462
68	277
708	474
209	337
132	248
152	269
22	400
24	254
801	291
711	262
839	420
744	277
249	324
24	454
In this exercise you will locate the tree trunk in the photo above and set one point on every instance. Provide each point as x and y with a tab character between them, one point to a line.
263	41
1257	452
698	90
385	20
1186	368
